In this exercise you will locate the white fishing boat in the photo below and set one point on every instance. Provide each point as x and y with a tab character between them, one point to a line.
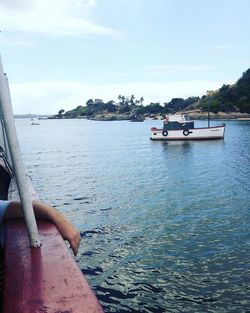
180	127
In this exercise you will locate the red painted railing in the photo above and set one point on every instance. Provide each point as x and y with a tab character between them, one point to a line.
45	279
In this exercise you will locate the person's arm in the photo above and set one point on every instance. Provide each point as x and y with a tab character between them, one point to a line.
45	212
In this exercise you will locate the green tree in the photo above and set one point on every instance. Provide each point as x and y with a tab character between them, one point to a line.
154	108
110	106
90	102
60	113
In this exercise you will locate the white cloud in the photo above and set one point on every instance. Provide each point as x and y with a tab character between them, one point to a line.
15	5
15	42
157	71
57	17
177	68
48	97
229	48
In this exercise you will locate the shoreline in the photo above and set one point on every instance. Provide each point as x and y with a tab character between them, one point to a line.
194	115
198	115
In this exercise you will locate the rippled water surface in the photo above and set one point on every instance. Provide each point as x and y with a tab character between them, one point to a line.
165	226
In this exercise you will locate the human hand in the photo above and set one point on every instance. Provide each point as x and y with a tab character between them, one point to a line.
69	233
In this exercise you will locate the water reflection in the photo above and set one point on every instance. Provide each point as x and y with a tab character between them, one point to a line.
181	145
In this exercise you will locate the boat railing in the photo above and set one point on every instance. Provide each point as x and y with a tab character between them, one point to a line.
16	156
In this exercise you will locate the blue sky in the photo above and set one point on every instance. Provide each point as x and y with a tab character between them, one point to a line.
60	53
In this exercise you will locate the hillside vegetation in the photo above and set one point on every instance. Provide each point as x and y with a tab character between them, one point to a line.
229	98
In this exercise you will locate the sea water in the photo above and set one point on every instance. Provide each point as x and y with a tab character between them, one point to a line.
164	225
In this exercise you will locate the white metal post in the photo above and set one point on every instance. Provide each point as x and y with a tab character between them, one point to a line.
16	156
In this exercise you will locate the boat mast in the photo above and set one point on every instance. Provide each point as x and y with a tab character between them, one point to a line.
16	156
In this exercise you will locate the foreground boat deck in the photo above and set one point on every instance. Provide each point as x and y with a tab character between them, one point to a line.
44	279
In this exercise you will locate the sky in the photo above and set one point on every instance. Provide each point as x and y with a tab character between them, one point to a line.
60	53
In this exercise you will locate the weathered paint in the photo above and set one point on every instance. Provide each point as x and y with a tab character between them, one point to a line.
45	279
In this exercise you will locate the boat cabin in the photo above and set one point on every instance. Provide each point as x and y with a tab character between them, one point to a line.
177	122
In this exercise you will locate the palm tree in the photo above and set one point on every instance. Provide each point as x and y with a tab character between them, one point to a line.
132	100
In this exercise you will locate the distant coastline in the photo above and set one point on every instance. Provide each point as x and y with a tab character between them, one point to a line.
194	114
30	115
201	115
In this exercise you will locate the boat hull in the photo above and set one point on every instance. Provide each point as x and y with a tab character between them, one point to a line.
205	133
44	279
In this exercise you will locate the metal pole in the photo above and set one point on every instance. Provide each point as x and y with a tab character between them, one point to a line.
4	138
15	152
208	114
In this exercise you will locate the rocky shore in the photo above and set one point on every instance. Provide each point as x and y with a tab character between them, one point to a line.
194	114
199	115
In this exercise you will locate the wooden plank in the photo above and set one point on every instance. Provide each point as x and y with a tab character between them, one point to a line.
45	279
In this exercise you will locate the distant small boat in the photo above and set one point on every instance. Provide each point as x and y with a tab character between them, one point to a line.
34	123
180	127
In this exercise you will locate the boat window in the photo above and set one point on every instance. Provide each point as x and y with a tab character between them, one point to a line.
186	117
